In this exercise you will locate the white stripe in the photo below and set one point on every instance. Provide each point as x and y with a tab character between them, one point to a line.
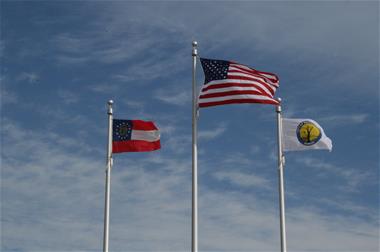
146	135
220	90
268	75
234	97
270	79
249	75
241	66
254	82
257	76
224	81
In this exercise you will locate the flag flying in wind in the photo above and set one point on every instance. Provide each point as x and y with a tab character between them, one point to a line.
303	134
134	136
228	82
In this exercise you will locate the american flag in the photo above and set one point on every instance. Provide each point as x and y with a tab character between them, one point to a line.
228	82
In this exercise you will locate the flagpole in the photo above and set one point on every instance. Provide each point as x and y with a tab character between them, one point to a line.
108	179
194	216
281	178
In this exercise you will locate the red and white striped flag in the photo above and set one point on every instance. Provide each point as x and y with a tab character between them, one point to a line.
228	82
134	136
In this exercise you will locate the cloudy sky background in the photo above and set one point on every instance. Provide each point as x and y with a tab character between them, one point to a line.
62	61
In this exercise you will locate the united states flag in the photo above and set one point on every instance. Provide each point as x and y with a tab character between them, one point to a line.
228	82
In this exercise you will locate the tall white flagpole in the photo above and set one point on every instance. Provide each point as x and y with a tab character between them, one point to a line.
194	216
108	179
281	178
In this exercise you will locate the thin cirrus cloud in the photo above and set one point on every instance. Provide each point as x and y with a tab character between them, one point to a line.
346	119
242	179
29	77
212	133
174	97
68	97
352	178
156	199
8	97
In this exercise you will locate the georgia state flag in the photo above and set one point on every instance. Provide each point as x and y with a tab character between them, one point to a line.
134	136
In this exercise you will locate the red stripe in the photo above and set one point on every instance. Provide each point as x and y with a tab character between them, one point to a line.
244	69
135	146
143	125
233	84
265	84
229	93
237	101
274	77
273	81
257	77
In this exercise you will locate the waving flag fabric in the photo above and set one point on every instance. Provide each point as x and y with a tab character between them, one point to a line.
228	82
134	136
304	134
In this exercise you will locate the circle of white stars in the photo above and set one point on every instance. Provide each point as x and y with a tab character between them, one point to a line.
123	130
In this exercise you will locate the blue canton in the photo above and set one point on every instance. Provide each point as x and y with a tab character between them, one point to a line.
122	130
214	69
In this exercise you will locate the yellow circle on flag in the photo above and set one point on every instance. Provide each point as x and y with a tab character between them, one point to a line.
308	133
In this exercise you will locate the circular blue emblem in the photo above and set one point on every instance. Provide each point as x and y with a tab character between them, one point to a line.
308	133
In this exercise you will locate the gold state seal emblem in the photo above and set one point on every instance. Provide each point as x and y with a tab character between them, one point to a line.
308	133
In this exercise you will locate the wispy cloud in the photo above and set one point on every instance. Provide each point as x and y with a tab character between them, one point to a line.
158	197
104	88
346	119
352	208
336	233
211	134
247	223
242	179
237	158
68	97
42	175
7	97
108	45
254	149
135	104
353	178
175	97
29	77
2	48
122	77
179	144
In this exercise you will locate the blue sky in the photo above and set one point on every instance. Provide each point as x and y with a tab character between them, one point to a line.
62	61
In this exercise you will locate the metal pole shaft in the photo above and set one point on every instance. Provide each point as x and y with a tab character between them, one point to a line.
194	217
281	179
108	179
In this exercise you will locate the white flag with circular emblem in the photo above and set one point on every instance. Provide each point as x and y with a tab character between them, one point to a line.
304	134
